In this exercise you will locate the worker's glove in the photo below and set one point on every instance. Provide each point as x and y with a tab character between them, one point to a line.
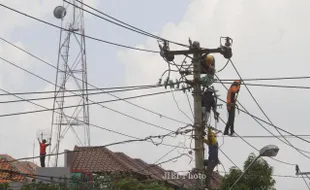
204	133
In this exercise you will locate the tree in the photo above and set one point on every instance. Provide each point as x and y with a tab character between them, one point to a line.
258	177
128	183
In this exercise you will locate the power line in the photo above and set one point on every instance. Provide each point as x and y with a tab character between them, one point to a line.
271	78
256	119
148	110
73	106
86	36
93	124
96	93
272	85
265	136
176	103
283	162
108	89
136	139
123	24
265	114
266	122
116	111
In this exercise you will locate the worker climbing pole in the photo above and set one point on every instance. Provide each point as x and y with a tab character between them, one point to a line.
203	63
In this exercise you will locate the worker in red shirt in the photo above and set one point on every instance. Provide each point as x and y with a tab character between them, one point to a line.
43	146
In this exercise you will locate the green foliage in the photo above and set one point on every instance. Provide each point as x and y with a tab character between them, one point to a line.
102	182
258	177
4	186
134	184
45	186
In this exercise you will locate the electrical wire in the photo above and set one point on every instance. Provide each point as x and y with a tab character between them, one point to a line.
271	78
266	122
116	111
177	104
283	162
148	110
97	126
273	85
265	136
108	89
305	182
189	103
123	24
255	118
86	36
134	139
106	101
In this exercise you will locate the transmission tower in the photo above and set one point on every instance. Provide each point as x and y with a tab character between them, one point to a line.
71	75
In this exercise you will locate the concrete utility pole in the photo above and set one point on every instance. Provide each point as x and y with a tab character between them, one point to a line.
197	52
199	152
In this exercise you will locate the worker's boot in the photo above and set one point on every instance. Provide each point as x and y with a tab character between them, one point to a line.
226	130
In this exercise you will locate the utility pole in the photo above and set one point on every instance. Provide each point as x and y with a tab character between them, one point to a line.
197	53
199	151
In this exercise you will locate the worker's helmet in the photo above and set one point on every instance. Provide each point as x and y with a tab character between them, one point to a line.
212	134
210	61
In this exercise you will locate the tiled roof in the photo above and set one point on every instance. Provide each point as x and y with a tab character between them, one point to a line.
100	159
22	167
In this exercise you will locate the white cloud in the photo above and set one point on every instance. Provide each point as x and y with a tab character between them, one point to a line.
269	41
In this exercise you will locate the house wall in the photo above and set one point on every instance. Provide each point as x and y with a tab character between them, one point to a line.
68	158
49	174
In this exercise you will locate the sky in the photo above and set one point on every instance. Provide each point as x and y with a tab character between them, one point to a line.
270	40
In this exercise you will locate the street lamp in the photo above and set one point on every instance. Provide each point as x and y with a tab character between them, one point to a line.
267	151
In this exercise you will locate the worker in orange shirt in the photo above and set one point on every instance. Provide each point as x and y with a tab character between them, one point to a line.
43	146
213	159
231	106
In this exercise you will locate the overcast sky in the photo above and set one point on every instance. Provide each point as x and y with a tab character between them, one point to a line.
270	40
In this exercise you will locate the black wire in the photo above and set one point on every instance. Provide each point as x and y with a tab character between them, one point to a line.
272	85
256	119
94	93
271	78
108	89
175	101
96	125
93	38
276	175
298	150
265	136
121	113
98	103
268	123
130	27
74	151
257	148
135	139
305	182
189	103
148	110
74	106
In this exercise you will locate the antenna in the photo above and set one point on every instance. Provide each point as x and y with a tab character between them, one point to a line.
71	74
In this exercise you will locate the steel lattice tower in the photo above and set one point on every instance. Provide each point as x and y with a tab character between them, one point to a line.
71	75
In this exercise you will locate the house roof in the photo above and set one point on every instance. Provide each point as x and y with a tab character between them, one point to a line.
101	159
22	167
